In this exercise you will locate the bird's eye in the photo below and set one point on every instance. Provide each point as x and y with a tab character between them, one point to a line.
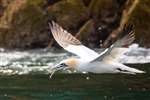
63	64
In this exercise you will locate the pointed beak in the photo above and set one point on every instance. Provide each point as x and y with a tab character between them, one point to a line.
58	67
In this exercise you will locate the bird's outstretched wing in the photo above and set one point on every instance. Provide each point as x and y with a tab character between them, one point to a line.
70	43
113	52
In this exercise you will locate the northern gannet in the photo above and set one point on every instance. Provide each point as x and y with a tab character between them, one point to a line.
89	60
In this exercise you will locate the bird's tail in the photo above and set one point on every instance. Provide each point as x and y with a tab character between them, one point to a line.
128	70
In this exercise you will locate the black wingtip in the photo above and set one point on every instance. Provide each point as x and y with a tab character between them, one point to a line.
50	25
128	35
51	22
127	29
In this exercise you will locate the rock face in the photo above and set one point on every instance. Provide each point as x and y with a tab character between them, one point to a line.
23	23
140	17
85	17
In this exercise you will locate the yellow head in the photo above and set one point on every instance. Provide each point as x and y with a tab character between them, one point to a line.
70	63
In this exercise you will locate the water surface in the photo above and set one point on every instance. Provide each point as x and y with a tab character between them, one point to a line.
24	75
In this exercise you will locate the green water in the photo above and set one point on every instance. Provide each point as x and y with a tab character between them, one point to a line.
75	87
30	81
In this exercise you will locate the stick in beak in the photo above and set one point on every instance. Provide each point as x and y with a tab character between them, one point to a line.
57	68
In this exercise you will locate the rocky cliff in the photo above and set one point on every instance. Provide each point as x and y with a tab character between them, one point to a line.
23	23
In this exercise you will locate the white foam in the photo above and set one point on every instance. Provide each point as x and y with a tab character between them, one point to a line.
40	61
136	55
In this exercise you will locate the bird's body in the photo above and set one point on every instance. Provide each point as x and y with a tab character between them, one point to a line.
89	60
99	66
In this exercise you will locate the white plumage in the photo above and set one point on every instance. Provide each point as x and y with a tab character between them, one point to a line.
89	60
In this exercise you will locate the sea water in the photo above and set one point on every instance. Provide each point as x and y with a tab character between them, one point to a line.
24	75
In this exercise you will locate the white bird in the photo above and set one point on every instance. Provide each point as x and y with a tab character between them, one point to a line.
89	60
